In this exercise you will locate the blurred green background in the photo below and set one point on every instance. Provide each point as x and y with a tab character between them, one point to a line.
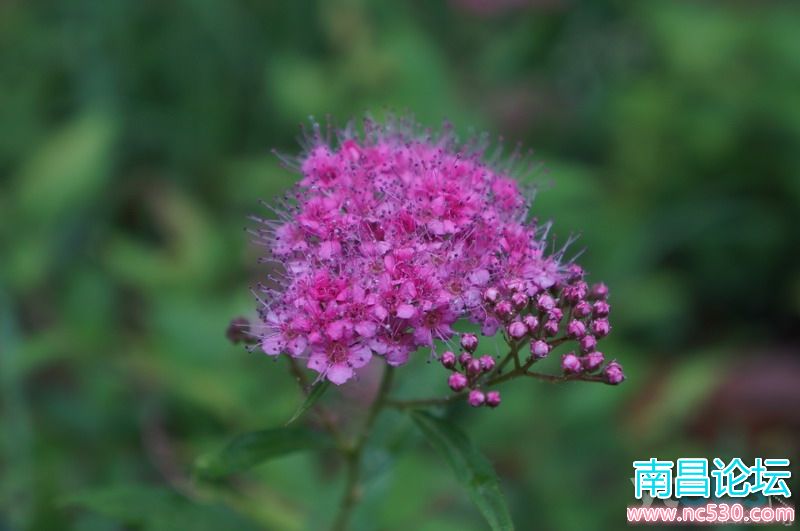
135	138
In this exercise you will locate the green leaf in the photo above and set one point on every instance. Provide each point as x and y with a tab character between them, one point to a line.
471	468
250	449
316	393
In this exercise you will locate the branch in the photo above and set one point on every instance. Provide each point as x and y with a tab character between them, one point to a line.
495	378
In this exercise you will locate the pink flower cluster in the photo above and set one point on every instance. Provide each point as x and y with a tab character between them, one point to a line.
389	238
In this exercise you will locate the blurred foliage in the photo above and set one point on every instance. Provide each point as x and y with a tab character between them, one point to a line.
135	141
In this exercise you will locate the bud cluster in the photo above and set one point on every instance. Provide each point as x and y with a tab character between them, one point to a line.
466	371
548	312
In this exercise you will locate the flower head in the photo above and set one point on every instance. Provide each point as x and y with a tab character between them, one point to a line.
394	235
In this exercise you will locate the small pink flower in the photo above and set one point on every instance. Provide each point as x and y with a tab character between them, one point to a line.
434	324
337	360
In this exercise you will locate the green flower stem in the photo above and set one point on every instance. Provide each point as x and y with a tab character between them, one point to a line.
353	453
325	416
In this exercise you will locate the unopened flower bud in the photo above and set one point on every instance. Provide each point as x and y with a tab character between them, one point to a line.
588	343
570	363
491	295
582	309
487	363
448	359
239	332
599	291
574	272
555	314
493	398
575	293
540	349
464	359
592	361
474	367
504	309
476	398
519	300
550	328
601	328
545	302
469	342
601	309
517	330
457	381
531	322
613	374
576	329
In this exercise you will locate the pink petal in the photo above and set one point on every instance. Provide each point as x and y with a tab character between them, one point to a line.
360	356
297	345
329	249
272	345
378	345
358	294
380	312
366	328
423	336
436	227
397	356
489	327
479	277
339	373
336	329
318	361
406	311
